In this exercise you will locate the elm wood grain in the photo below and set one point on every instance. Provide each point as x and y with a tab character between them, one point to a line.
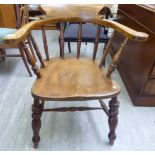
63	10
137	64
80	79
71	78
22	33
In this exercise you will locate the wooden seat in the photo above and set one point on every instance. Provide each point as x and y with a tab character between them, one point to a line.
79	78
69	78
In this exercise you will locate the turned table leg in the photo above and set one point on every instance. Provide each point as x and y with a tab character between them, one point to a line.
113	119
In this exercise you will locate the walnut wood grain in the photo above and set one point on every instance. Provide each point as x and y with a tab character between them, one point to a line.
79	78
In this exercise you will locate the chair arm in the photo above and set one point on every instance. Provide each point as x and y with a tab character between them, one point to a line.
23	32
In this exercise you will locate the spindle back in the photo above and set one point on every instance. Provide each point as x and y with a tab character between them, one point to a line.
128	33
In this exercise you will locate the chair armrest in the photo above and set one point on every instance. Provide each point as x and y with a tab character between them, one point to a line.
23	32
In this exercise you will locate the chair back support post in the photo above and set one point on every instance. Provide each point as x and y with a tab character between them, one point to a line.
24	12
79	38
62	39
106	50
31	60
116	59
96	41
45	43
37	51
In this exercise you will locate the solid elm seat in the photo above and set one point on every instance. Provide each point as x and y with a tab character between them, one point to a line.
88	33
4	32
79	78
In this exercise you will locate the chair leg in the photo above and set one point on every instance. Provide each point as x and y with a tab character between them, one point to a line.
113	119
37	110
69	47
25	61
60	48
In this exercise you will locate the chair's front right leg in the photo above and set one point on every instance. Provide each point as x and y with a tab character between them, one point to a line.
37	110
113	119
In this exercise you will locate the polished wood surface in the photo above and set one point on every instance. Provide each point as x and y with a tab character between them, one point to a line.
22	33
91	10
68	78
137	64
79	78
7	16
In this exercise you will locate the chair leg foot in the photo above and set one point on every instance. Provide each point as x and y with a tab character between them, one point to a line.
35	145
37	110
113	119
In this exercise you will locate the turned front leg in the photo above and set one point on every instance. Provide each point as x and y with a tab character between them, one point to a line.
37	109
113	119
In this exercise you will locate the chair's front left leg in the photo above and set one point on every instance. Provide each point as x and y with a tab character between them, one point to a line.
37	110
113	119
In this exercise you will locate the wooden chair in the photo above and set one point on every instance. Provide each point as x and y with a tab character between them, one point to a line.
21	12
89	31
70	79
